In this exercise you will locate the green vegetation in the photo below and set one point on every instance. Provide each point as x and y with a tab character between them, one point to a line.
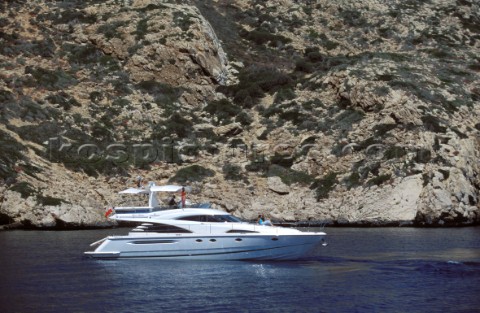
223	112
51	80
413	81
25	189
90	56
232	172
353	180
177	124
47	200
183	20
290	112
258	164
5	96
13	46
394	152
284	94
67	17
322	40
121	83
282	160
82	54
63	99
445	173
382	129
96	96
110	30
348	117
423	156
262	36
254	82
164	94
365	168
303	65
12	151
191	173
289	176
378	180
293	112
324	185
381	91
313	54
433	123
353	18
142	29
149	7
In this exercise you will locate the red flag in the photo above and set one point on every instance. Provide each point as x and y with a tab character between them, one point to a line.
108	211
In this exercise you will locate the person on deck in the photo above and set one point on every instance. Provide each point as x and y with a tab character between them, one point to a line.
260	219
265	221
172	201
183	197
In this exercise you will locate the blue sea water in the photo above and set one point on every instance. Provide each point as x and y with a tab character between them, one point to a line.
361	270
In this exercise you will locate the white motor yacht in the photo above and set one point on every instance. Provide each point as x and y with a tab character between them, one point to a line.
198	232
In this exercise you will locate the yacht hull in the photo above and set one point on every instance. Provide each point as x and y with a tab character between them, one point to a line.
239	247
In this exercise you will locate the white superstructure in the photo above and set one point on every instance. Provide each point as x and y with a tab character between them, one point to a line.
194	232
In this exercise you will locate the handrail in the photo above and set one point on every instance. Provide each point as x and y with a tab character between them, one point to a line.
98	242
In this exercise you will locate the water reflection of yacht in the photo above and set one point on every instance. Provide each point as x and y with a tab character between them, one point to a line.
196	231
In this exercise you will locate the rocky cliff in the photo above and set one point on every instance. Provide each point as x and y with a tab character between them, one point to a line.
352	113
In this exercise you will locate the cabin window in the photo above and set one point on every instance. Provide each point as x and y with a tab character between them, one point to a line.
151	242
160	228
238	239
131	211
213	240
211	218
240	231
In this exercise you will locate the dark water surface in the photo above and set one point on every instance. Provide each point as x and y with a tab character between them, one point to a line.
361	270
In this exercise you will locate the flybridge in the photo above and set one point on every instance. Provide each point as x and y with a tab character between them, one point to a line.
153	203
151	187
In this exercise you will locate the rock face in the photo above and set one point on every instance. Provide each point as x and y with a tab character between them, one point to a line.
367	114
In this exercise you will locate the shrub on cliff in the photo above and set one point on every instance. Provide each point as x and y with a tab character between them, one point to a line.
12	151
110	30
48	79
27	190
191	173
303	65
254	82
353	180
89	56
324	185
164	94
232	172
378	180
24	189
223	110
262	36
177	124
64	100
289	176
69	16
